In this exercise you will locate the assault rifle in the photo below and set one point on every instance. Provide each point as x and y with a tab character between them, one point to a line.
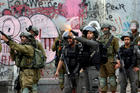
122	69
67	76
8	37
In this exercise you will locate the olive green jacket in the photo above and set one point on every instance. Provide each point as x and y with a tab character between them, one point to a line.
21	54
136	38
112	48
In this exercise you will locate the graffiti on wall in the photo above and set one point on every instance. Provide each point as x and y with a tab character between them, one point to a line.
18	15
120	13
5	73
51	15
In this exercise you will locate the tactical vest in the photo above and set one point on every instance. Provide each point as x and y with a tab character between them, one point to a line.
110	49
23	61
89	57
128	55
37	61
71	57
85	55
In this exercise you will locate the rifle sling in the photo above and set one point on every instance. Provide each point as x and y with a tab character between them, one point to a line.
109	42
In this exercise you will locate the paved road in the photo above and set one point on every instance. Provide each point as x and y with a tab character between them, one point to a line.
51	87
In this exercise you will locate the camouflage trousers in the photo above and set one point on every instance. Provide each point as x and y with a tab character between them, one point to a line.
88	80
33	89
107	75
61	79
29	79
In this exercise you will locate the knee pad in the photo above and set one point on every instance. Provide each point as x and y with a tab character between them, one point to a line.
112	80
25	90
34	87
103	82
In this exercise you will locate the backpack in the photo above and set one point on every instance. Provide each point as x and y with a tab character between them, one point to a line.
38	59
36	62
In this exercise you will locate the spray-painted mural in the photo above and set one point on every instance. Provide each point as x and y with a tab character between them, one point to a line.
51	16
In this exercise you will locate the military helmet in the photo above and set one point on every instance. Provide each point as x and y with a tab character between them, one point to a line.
91	29
65	35
106	26
34	29
26	34
128	34
134	22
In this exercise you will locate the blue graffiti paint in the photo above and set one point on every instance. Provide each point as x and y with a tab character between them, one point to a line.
126	26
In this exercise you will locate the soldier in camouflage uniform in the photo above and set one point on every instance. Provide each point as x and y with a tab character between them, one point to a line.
23	54
108	69
57	46
134	26
34	32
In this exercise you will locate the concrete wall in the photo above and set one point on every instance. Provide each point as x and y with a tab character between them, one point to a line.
51	16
